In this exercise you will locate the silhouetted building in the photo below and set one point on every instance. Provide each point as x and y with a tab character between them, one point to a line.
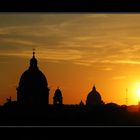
139	106
58	99
81	103
33	87
9	99
94	98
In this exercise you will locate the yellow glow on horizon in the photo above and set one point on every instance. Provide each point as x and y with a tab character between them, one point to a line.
137	89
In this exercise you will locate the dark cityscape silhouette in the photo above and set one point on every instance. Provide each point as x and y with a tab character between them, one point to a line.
32	106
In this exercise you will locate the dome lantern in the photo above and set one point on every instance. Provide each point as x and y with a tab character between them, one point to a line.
33	61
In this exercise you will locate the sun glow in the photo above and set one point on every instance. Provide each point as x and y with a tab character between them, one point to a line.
137	90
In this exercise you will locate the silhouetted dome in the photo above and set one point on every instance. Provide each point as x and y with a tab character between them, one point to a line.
58	93
32	79
33	86
57	98
94	98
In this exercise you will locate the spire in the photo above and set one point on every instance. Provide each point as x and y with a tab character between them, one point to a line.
33	53
94	88
81	103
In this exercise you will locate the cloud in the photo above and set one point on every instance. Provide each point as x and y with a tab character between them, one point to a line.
120	62
18	42
48	54
85	62
82	39
98	15
58	54
3	62
75	56
82	64
107	69
119	77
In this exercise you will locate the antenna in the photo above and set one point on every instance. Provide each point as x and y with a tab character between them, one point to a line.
126	99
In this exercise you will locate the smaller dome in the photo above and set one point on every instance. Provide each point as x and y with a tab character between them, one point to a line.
58	99
94	97
58	93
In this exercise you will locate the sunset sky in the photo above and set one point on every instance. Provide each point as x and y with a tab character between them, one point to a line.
74	51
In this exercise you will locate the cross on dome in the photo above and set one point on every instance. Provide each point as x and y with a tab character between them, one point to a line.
33	52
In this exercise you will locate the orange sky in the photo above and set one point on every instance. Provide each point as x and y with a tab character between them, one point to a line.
74	51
